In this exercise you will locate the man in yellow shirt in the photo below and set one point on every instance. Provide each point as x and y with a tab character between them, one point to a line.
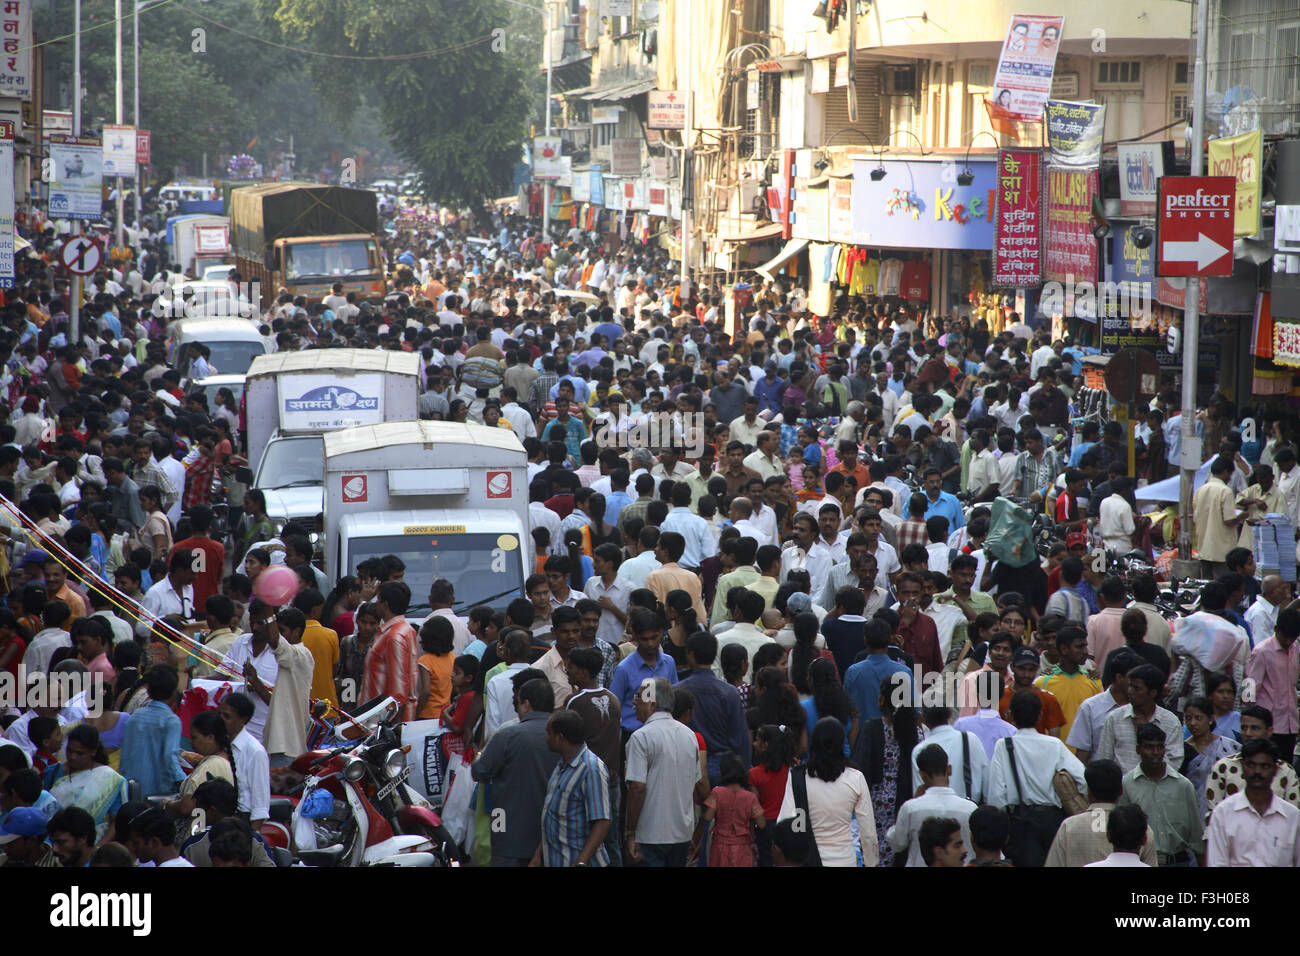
323	644
1068	681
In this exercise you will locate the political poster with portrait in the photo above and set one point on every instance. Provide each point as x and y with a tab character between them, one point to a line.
1024	77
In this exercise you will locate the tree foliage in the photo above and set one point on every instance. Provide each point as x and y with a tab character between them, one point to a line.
458	117
205	89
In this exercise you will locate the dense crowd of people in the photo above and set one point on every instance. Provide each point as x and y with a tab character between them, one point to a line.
783	611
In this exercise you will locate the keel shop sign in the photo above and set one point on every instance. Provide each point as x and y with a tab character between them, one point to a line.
919	204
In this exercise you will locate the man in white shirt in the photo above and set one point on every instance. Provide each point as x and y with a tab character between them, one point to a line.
741	516
252	764
174	594
700	543
938	800
637	568
442	596
802	553
540	516
499	693
1126	829
961	747
747	609
1262	615
983	465
517	415
1117	524
1038	758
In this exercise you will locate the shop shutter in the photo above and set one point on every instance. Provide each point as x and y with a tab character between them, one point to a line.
836	108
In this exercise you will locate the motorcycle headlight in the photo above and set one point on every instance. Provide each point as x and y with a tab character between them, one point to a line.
394	762
354	769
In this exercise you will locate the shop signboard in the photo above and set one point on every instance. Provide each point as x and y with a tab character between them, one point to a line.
1074	133
1127	316
1241	158
919	204
1140	167
1018	219
625	156
1070	250
665	109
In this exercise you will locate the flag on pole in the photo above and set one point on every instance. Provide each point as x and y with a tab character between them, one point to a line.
1001	119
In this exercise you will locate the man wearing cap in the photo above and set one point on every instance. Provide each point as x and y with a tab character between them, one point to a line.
1024	670
22	840
663	768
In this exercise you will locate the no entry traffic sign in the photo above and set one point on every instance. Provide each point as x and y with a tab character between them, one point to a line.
1194	235
81	255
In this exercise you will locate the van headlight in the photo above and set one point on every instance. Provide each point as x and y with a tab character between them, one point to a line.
394	762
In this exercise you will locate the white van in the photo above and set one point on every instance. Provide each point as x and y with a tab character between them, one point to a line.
234	342
174	192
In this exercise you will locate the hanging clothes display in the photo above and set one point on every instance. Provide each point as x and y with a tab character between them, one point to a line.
891	276
822	261
915	280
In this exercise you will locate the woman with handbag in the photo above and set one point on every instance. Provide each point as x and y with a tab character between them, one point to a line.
829	794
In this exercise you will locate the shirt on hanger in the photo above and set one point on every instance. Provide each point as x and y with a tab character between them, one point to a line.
891	274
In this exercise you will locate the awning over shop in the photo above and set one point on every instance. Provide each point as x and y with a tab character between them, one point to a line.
614	91
792	248
769	230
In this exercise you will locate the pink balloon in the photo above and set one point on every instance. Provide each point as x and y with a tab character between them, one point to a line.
276	585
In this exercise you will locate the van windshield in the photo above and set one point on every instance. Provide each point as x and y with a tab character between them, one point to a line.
296	462
228	357
478	567
333	259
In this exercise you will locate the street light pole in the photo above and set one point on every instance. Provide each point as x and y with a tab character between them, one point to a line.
76	69
687	168
1190	448
117	13
135	93
546	188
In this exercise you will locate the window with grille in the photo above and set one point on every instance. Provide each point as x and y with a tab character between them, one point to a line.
1180	107
981	75
603	133
762	119
1114	73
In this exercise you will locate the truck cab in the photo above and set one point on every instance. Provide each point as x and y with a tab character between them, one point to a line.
310	266
449	499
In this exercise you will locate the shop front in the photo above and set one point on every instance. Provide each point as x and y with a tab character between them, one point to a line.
922	231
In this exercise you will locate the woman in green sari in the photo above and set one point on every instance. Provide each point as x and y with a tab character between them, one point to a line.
258	526
86	780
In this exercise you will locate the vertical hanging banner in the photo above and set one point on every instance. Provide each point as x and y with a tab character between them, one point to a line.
1018	219
16	48
1074	133
119	150
1024	78
1070	249
142	148
1240	157
546	158
7	272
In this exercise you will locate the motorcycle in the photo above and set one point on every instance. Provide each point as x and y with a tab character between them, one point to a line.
356	808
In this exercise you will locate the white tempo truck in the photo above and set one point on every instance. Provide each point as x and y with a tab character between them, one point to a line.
293	398
449	499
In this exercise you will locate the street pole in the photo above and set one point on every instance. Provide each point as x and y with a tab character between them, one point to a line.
546	188
135	112
74	292
117	8
1191	447
686	165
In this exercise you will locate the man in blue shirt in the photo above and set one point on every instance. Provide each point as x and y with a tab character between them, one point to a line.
863	681
939	502
564	428
769	389
151	743
719	715
648	661
1089	432
581	390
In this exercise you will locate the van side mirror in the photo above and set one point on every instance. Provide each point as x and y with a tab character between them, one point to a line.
244	475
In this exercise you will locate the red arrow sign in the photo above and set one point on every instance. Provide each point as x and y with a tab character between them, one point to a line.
1194	229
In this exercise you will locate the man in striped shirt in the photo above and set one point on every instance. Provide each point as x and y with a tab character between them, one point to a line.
576	812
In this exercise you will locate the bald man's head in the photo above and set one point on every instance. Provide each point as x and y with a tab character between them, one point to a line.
1275	589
